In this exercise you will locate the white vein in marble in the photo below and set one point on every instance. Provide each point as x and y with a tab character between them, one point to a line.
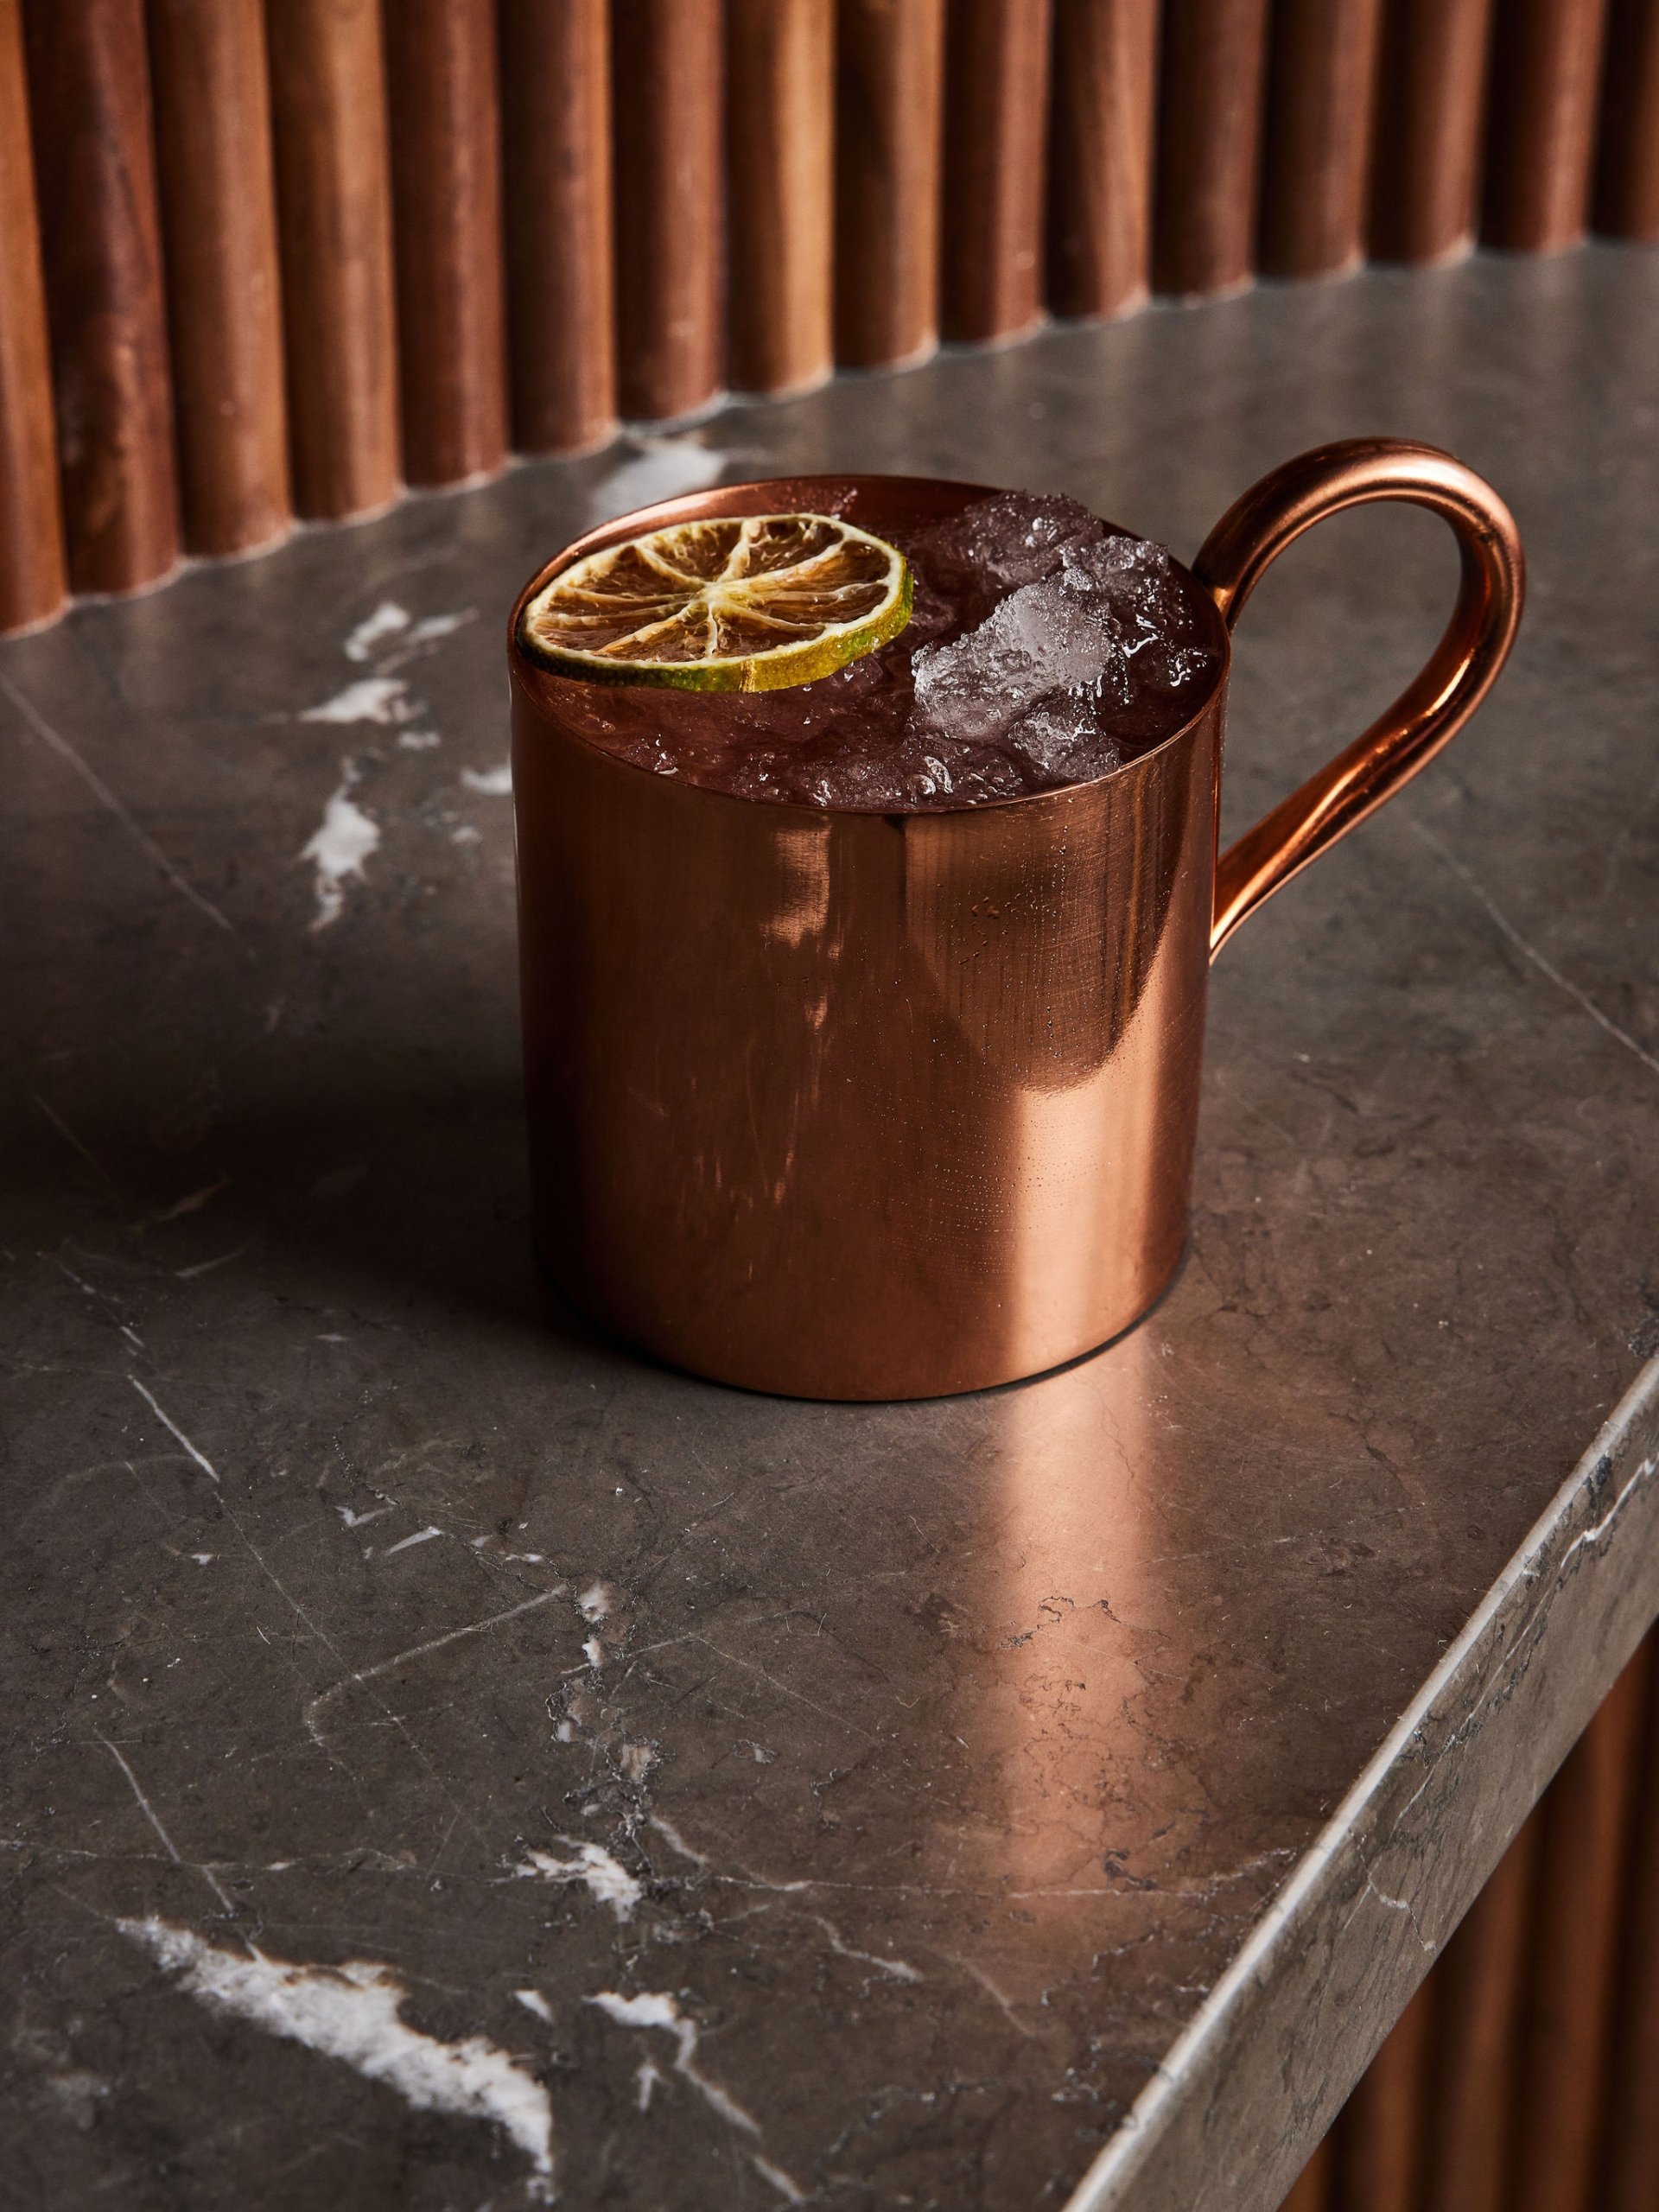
654	2008
605	1878
339	846
352	2012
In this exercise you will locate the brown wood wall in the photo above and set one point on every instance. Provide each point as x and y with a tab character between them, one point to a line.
1524	2074
275	257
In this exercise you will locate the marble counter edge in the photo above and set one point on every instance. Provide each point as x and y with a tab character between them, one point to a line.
1250	2086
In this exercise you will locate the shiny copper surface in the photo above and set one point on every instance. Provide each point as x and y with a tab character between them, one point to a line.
870	1106
1437	702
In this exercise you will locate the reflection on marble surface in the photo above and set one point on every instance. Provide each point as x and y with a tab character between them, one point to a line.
428	1722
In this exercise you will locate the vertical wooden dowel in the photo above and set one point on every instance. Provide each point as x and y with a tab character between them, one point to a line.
446	193
94	160
1312	2190
1479	1979
1630	2172
1378	2142
1103	109
996	125
780	60
1209	138
555	88
889	118
1627	166
31	520
1568	2015
1320	104
1541	131
219	218
666	71
1431	99
327	82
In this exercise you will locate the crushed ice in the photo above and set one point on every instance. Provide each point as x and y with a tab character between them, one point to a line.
1073	634
1043	649
1088	621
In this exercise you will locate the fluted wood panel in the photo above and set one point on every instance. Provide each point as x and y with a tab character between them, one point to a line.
1522	2076
1312	2190
1630	2175
101	250
556	77
889	127
1627	173
1478	1988
1568	2021
446	171
218	219
1379	2144
1102	120
1210	134
399	238
780	57
1431	99
1541	138
32	576
666	103
1320	102
328	77
995	117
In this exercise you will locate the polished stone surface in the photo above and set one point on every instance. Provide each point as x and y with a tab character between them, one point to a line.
451	1763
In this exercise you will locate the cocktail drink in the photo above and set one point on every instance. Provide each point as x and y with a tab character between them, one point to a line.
867	889
1041	648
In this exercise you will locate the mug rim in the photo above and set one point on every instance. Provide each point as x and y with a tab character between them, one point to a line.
697	506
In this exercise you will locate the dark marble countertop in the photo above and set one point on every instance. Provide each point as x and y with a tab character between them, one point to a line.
451	1763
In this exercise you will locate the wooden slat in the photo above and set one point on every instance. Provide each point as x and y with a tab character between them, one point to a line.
1312	2190
666	70
219	218
995	122
1320	100
1379	2141
889	115
1209	134
335	203
1545	64
32	580
1103	109
1431	102
1630	2165
1568	2020
1627	167
1479	1981
446	176
89	94
780	58
1521	2077
556	81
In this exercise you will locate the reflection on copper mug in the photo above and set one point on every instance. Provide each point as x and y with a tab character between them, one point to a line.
891	1105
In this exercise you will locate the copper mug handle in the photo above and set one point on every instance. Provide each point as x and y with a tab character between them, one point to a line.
1437	702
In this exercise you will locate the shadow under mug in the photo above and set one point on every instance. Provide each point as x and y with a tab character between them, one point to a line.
893	1105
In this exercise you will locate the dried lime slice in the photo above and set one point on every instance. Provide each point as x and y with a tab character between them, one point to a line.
738	603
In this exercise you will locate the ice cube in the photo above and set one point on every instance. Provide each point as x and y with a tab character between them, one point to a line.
1129	580
1040	678
1015	538
1043	637
1062	737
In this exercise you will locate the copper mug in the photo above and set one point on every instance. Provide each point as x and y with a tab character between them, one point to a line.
892	1105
